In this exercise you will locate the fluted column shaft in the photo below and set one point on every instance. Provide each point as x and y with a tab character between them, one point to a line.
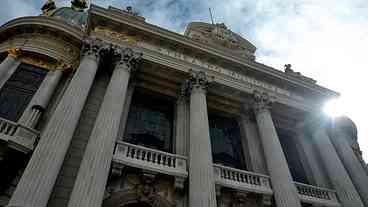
9	66
182	121
201	178
284	189
340	179
90	184
252	145
310	160
352	164
39	177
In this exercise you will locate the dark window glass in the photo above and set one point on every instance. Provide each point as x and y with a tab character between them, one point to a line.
150	122
225	141
292	157
18	91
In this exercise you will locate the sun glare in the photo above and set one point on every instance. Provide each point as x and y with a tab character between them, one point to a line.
334	108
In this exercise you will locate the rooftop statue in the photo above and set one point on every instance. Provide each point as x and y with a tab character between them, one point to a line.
48	6
79	5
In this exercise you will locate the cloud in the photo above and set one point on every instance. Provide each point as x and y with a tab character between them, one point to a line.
325	40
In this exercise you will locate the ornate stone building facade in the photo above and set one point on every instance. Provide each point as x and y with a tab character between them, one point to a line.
100	108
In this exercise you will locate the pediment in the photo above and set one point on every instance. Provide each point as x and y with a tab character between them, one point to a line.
218	35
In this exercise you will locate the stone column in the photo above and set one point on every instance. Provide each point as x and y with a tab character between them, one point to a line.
201	179
357	173
89	187
182	121
25	138
9	65
340	179
39	177
251	142
283	186
310	159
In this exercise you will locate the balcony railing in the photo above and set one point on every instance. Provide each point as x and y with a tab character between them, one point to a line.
7	127
316	195
18	136
242	180
150	159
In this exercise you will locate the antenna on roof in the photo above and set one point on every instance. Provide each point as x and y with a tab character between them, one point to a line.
211	15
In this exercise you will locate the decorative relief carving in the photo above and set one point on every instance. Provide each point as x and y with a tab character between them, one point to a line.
220	35
262	101
45	44
127	58
143	187
198	81
92	47
117	36
14	52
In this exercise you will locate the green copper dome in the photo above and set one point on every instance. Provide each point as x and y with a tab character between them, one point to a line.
71	15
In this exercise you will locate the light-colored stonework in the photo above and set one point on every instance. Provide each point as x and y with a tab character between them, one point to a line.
73	128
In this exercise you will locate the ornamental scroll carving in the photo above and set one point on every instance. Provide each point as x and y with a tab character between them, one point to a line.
198	81
262	101
93	47
127	58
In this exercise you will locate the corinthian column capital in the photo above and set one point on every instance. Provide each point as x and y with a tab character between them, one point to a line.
198	81
262	101
92	47
126	58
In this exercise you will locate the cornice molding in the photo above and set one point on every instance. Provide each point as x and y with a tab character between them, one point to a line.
186	41
54	24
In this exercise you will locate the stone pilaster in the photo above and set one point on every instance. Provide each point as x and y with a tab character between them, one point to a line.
251	142
352	165
90	184
201	179
39	177
182	123
9	65
340	179
284	189
124	116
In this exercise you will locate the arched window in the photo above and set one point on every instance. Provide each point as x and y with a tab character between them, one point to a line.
18	91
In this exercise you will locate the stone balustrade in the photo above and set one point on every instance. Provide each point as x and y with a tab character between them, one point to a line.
242	180
150	159
8	133
317	195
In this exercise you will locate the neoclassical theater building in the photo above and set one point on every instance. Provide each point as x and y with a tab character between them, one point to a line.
101	109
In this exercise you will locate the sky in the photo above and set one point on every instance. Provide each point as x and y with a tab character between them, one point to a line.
322	39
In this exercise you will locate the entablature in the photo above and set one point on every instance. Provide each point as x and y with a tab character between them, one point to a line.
179	46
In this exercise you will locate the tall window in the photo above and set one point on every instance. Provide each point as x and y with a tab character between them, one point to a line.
225	141
292	157
18	91
150	122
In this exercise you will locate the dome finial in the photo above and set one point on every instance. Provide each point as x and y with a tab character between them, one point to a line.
79	5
